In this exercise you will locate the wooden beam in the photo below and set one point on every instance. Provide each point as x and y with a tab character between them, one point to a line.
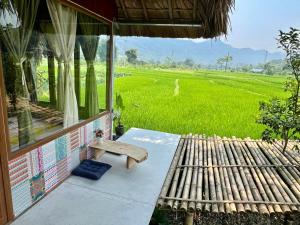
123	8
145	10
194	9
110	72
5	147
170	7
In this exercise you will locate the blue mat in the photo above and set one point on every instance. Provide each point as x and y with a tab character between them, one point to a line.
91	169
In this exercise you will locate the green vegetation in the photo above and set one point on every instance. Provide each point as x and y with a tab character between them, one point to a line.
197	101
282	117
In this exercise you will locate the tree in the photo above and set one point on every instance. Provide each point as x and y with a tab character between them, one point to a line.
282	117
226	59
268	68
131	55
102	50
189	63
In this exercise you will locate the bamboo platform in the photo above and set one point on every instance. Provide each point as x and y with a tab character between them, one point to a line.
222	175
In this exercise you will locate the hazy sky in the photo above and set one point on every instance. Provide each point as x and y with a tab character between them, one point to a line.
255	23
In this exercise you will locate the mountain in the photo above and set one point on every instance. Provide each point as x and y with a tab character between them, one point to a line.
206	52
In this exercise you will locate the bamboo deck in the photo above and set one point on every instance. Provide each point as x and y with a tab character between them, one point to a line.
222	175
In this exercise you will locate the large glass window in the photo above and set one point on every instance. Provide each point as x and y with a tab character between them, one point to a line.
55	67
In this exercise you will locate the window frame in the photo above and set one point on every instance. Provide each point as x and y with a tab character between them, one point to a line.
108	106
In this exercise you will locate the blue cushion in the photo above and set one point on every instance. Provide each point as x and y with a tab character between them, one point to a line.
91	169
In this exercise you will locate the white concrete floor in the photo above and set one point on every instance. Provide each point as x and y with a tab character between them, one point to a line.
120	197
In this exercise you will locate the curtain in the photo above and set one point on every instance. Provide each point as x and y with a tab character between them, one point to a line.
64	21
52	40
16	25
89	44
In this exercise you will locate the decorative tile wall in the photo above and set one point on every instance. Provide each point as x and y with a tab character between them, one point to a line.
36	173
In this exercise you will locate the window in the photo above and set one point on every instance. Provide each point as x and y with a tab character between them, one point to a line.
55	64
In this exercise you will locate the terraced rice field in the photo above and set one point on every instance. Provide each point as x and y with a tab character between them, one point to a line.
200	102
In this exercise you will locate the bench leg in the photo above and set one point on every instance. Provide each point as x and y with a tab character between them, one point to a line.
98	153
130	162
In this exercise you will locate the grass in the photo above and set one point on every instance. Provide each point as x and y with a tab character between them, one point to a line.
200	102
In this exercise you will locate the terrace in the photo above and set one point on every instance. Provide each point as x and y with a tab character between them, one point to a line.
56	79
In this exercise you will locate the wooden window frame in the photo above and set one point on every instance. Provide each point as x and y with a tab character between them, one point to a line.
108	108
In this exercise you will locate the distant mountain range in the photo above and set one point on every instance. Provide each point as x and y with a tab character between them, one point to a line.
206	52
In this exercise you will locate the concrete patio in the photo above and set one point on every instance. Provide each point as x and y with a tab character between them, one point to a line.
120	197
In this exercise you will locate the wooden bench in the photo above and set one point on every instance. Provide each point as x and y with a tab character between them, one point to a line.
134	153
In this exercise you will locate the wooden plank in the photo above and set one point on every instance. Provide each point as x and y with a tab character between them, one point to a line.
145	9
130	162
137	153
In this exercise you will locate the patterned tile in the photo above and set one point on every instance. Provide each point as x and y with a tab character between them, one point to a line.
61	145
19	170
36	162
51	178
74	138
37	186
97	124
82	136
89	133
39	171
21	197
48	155
63	169
75	159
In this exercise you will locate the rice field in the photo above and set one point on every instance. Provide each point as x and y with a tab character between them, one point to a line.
199	102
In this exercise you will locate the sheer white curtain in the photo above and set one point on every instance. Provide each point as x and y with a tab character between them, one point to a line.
64	21
16	25
89	44
52	42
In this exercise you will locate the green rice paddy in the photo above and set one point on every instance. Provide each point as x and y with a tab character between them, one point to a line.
199	102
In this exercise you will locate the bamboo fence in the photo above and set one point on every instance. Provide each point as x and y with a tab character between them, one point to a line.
222	175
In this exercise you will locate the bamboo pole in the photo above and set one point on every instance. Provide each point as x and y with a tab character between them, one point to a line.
278	190
221	177
192	205
176	176
206	185
219	194
238	177
270	187
226	177
187	185
200	175
183	176
293	184
211	179
171	172
235	201
257	178
252	191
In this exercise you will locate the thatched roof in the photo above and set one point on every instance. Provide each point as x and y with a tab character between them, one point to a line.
193	18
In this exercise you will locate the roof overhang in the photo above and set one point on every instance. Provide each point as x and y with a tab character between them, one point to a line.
165	18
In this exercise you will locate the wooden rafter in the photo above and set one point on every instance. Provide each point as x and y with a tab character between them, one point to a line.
123	8
170	9
145	9
194	9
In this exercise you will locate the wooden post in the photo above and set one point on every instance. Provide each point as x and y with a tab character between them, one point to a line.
4	142
189	218
77	71
109	76
51	79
